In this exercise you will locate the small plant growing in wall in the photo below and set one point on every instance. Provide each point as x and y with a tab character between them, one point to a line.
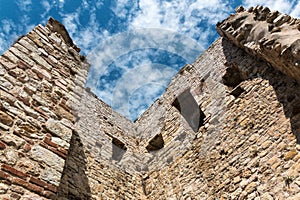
288	181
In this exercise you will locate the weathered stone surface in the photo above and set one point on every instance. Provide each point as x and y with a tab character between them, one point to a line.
275	40
11	156
3	188
41	73
266	196
58	129
251	187
13	140
39	60
51	175
5	119
41	154
290	155
239	141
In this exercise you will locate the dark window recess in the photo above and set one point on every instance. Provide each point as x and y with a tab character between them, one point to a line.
237	91
156	143
189	109
118	149
232	77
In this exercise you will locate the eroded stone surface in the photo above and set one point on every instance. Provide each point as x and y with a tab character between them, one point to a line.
59	141
272	36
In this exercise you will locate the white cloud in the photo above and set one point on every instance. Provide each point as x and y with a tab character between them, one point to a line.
71	22
181	16
7	26
174	26
88	36
99	3
296	11
132	40
85	36
46	6
2	43
143	75
8	33
24	5
283	6
85	4
61	3
125	8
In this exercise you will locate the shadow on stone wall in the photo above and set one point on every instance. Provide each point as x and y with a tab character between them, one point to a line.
286	88
74	182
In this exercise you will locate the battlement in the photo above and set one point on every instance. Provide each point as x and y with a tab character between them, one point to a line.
227	126
273	36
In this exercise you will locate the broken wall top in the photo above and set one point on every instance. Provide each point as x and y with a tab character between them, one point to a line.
273	36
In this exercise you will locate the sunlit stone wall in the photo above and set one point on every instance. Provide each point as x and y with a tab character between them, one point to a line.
227	126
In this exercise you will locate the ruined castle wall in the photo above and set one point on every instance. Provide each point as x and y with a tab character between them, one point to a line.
58	141
40	76
108	170
273	36
247	147
206	92
227	126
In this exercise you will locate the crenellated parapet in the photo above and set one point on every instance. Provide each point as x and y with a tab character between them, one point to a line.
271	35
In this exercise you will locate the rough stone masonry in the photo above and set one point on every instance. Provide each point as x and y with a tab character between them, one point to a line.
227	127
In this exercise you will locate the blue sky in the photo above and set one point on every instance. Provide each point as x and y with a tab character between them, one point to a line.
135	47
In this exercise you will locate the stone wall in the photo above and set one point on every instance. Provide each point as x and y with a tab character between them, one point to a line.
227	126
273	36
247	148
40	75
108	147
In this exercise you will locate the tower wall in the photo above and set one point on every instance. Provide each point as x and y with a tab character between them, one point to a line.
57	140
247	147
40	77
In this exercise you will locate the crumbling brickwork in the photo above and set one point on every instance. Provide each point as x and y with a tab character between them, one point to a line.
227	127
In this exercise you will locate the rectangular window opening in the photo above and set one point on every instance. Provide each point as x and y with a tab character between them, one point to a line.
118	149
155	143
190	110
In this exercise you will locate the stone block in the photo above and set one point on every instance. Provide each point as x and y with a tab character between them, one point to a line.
54	164
24	57
41	73
58	129
40	61
5	119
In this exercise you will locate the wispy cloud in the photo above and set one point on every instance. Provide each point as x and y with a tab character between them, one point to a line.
179	27
89	36
2	43
296	10
8	33
195	19
24	5
61	3
284	6
125	9
7	26
46	6
71	21
145	82
131	85
126	44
